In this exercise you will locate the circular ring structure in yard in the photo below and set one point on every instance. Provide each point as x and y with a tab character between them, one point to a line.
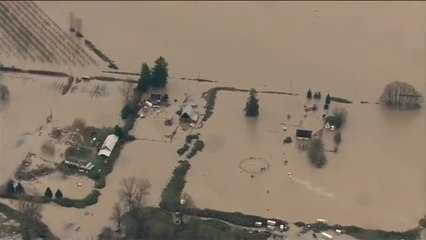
254	165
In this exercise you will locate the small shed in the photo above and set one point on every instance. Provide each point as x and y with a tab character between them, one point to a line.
303	134
188	114
331	122
108	145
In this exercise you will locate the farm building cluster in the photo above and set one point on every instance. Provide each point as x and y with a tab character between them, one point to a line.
103	153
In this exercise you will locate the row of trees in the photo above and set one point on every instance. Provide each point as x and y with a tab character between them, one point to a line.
399	95
317	95
12	189
135	221
155	77
49	194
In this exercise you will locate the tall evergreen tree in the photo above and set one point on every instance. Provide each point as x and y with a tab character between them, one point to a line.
328	99
326	106
48	193
145	79
58	194
252	105
19	188
309	94
160	73
10	187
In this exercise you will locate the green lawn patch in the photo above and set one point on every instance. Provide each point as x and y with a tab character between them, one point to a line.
80	152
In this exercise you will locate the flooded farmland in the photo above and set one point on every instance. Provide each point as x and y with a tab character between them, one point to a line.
369	175
349	50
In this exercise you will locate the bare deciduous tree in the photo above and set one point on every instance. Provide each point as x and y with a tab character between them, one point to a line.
133	193
72	21
127	91
116	216
4	93
107	234
30	215
401	95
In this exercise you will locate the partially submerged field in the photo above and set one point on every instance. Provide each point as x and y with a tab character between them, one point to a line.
24	125
365	183
151	156
374	181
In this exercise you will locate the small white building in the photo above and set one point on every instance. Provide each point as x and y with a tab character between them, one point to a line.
108	145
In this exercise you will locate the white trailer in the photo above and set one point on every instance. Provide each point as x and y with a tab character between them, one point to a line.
271	222
326	236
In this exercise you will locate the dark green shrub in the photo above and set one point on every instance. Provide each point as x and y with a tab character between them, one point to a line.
198	147
90	199
190	137
299	224
326	106
120	132
183	149
129	110
340	100
287	140
337	137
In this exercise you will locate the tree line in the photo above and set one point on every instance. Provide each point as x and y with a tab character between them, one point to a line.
155	77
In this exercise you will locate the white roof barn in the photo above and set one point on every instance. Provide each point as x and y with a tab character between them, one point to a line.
108	145
188	113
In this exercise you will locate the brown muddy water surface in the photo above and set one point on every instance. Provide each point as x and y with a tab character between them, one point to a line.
349	49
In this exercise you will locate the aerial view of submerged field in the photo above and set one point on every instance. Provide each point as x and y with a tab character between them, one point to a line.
212	120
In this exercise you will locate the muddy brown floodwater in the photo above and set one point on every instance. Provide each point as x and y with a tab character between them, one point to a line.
347	49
